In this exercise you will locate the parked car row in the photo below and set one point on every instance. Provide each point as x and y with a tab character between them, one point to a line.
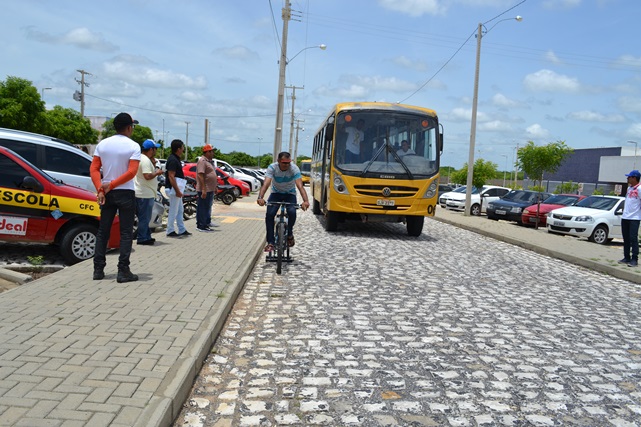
597	218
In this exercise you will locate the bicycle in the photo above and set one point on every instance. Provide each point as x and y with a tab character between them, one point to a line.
281	248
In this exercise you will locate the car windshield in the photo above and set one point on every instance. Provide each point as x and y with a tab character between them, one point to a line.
520	196
561	199
596	202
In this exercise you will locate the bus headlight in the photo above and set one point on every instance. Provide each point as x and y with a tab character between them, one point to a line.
431	190
339	185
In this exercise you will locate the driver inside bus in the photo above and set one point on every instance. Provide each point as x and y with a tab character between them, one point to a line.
405	149
284	179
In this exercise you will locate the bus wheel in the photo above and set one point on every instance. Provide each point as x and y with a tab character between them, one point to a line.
331	221
315	207
415	225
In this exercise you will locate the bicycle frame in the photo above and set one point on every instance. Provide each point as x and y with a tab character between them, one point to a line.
281	248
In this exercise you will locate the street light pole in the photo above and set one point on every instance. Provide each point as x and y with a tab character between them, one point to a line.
635	153
187	141
259	140
505	170
42	92
470	161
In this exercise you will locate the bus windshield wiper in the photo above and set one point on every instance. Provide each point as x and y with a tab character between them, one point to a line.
398	159
374	157
389	149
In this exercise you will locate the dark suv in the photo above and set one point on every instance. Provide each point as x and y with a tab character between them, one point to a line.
510	207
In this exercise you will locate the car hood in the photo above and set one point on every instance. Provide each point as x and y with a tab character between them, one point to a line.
545	207
460	196
578	211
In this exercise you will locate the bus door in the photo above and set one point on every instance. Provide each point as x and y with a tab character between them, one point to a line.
328	142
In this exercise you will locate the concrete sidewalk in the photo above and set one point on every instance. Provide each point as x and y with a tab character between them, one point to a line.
80	352
602	258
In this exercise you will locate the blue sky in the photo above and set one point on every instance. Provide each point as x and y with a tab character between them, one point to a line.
571	70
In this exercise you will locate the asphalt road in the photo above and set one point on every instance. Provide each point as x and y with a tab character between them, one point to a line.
371	327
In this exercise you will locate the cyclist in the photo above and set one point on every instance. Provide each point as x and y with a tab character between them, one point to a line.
284	178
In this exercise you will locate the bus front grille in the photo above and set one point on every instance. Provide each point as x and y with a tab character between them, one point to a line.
377	190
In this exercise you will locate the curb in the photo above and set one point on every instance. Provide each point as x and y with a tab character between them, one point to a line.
14	276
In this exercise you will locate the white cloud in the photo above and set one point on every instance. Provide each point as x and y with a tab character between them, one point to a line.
551	57
536	131
628	61
237	52
465	115
405	62
634	131
82	37
139	70
630	104
192	96
414	7
592	116
501	100
549	81
495	126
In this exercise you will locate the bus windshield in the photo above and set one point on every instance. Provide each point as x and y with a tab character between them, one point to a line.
374	143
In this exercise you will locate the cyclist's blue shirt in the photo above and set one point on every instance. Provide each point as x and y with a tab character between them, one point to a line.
283	181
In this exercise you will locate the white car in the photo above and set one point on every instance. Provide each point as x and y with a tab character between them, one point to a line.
254	184
596	217
443	198
479	200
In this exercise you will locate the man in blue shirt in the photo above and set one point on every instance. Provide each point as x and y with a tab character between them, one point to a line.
283	177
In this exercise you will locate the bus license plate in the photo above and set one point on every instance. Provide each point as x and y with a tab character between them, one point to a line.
384	202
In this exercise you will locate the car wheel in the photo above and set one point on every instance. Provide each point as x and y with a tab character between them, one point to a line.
599	235
475	210
78	243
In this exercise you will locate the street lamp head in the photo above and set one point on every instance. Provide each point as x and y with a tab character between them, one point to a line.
519	18
323	46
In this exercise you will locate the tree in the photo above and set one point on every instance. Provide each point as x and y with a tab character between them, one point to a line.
535	161
21	107
68	124
141	133
567	188
240	159
483	171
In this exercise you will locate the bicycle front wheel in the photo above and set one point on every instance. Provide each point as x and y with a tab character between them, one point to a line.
281	241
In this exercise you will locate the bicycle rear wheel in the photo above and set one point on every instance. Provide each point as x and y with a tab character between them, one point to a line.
280	246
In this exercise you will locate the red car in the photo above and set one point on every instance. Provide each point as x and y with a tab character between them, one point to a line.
528	217
243	188
35	208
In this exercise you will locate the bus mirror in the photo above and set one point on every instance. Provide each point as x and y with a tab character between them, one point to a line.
329	132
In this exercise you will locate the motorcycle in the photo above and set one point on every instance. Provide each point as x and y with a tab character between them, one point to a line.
226	194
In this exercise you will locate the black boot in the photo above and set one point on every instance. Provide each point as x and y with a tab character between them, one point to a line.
98	273
125	275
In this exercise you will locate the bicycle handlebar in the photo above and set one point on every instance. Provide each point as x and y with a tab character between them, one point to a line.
296	205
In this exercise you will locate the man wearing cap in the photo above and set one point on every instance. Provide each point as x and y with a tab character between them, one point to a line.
146	185
630	221
284	179
175	184
119	157
206	185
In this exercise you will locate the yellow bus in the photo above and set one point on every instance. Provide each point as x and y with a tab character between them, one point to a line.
376	162
305	170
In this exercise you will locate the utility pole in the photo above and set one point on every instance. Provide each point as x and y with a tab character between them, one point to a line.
206	131
298	122
187	141
291	124
516	152
278	132
81	96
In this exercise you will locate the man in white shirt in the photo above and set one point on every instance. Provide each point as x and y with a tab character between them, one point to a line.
630	220
146	186
119	157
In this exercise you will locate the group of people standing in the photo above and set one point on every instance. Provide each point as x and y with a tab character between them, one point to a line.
126	181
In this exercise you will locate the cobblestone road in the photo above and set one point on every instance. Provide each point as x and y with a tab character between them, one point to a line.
369	327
